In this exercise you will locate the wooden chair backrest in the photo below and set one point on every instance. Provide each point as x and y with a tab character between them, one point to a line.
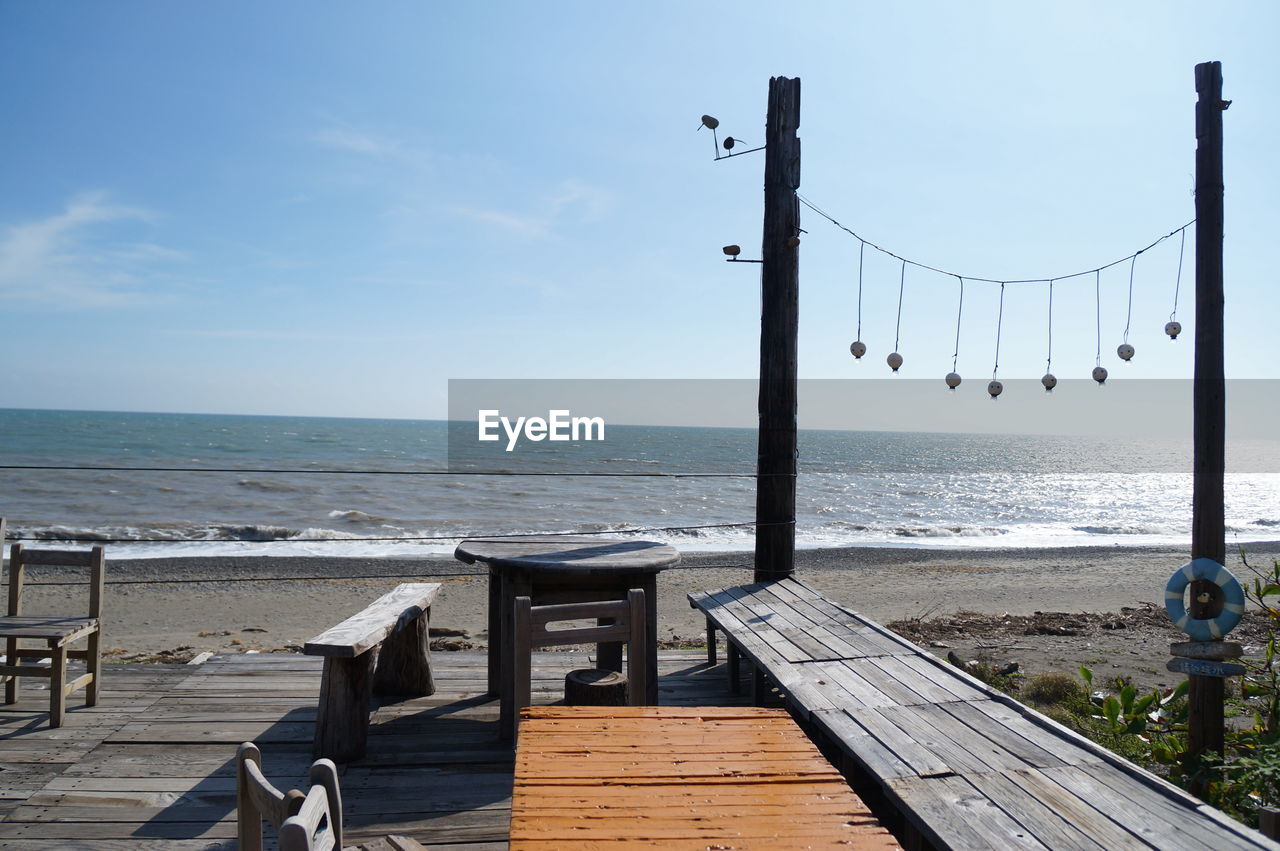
313	827
94	559
315	818
628	625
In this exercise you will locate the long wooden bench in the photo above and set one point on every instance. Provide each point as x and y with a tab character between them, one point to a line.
386	650
967	766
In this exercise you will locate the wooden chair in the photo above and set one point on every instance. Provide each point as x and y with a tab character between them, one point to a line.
56	631
302	821
530	632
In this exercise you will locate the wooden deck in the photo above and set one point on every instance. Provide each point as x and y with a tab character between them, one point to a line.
152	766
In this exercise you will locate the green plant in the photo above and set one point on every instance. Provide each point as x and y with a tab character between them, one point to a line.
1148	729
1152	728
1050	689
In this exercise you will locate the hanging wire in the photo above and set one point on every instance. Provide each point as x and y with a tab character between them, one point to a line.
815	208
959	313
1048	366
902	282
999	322
862	247
1128	317
1097	301
1178	285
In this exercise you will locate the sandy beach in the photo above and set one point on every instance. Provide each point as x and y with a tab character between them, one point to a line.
182	606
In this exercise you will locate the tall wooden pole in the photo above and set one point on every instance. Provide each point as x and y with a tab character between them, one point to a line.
779	328
1208	524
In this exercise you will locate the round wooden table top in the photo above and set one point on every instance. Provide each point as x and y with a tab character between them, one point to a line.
565	553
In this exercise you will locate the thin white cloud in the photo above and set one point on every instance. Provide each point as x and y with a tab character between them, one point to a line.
280	336
526	226
356	141
570	202
574	198
60	261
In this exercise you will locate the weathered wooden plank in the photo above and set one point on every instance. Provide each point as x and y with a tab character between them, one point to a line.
769	615
972	715
846	675
952	813
939	733
366	629
1099	827
1153	827
877	758
60	558
744	626
844	633
1031	728
1040	821
598	556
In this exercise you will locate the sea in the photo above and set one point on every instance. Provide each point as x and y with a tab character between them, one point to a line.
164	485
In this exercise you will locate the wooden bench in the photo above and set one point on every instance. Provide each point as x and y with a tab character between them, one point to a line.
966	766
385	649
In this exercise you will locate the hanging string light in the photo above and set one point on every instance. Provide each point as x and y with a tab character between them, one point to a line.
953	377
1099	371
1125	351
994	387
1173	327
895	360
815	208
858	348
1048	380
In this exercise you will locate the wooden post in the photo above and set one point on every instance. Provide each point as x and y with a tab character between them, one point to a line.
1208	525
404	660
342	722
779	326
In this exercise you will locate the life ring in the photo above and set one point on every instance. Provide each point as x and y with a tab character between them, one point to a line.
1206	629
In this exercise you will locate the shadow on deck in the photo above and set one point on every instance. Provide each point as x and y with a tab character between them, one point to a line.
153	764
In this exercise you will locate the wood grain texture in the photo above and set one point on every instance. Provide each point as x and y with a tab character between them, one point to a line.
56	632
966	766
342	723
568	554
1206	695
779	331
595	687
561	570
153	767
404	661
368	628
679	777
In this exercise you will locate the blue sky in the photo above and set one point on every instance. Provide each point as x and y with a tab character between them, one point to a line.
332	208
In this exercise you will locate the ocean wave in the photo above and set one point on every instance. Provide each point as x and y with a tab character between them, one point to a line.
354	516
1263	522
63	533
948	531
255	484
254	532
1125	529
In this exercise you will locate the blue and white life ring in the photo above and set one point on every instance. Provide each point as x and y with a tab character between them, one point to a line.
1232	600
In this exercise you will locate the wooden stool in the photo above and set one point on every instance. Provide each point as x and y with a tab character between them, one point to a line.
595	687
